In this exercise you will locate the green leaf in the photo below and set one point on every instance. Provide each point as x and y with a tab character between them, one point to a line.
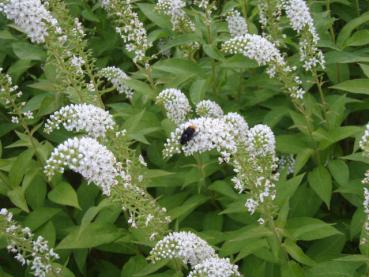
339	171
92	212
64	194
150	12
89	15
134	265
16	196
342	57
188	206
360	86
27	51
286	189
349	27
330	137
225	189
39	217
179	67
93	235
296	252
19	167
321	182
213	52
251	247
156	173
293	269
359	38
365	69
198	90
291	144
141	87
333	269
149	269
308	228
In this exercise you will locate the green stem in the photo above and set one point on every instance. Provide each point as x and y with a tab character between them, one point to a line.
331	30
321	94
244	8
282	255
309	129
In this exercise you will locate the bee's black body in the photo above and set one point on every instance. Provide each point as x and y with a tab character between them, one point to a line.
187	135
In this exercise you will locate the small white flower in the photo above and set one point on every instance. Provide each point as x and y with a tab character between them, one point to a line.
364	142
215	267
129	27
81	117
175	9
77	63
261	140
186	246
207	108
301	21
287	161
251	205
118	78
30	16
210	133
142	160
38	256
89	158
15	120
28	114
265	53
175	103
237	25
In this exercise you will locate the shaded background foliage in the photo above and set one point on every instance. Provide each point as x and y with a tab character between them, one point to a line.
324	217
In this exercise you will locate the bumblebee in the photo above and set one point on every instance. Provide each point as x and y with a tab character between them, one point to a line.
187	134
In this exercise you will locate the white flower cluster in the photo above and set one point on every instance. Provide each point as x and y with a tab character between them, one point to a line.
81	117
366	209
9	95
364	145
251	152
186	246
144	213
287	161
89	158
261	141
269	16
118	78
175	9
210	133
30	16
264	52
208	108
208	7
129	27
301	21
215	267
175	103
254	47
34	253
203	4
238	127
77	63
237	25
190	249
255	168
364	142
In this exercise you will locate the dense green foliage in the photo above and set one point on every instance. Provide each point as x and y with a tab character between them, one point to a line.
317	227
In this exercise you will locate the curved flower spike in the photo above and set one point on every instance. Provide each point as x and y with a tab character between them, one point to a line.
81	117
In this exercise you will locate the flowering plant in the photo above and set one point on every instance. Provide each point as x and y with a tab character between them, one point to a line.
184	138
